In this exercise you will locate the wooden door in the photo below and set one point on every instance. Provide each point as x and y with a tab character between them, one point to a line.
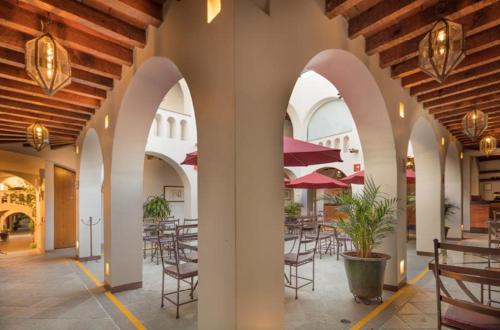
64	208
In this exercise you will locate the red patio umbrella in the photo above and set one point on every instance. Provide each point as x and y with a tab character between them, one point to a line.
315	181
359	177
295	153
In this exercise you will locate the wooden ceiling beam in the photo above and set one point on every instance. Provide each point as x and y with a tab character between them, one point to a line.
16	18
420	23
145	11
474	23
62	145
489	90
92	21
474	44
41	109
381	16
453	114
465	104
458	78
34	116
339	7
18	74
21	127
7	118
53	103
461	88
61	96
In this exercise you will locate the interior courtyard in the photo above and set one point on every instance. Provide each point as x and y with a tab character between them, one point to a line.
249	164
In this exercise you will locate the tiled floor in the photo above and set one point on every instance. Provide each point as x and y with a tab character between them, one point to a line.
50	291
17	243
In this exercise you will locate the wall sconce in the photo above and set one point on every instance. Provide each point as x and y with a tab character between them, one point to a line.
443	141
402	267
214	7
77	150
461	155
77	244
106	269
106	121
401	109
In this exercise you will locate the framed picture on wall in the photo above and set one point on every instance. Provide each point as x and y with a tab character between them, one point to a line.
173	193
487	187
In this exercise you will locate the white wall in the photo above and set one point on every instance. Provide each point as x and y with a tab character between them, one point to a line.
453	190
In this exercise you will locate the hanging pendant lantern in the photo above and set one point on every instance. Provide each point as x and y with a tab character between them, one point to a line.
47	63
442	49
488	145
474	123
37	136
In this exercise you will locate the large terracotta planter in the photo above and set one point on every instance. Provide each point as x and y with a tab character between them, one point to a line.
365	275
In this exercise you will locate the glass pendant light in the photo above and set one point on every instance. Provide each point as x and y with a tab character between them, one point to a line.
47	63
488	145
37	136
442	49
474	123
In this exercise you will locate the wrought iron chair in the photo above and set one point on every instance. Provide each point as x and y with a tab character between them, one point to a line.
471	313
181	271
149	235
341	241
187	239
302	257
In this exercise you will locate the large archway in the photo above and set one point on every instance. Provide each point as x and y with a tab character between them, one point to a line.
365	101
428	187
90	197
453	193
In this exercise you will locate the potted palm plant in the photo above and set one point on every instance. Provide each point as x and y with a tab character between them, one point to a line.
156	208
370	218
292	210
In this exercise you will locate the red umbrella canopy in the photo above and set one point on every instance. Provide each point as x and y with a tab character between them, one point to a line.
359	177
316	180
295	153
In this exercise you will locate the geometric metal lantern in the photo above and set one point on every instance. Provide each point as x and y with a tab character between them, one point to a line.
488	145
474	123
47	63
442	49
37	136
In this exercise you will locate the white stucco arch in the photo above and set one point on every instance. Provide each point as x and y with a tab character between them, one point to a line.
364	99
428	190
453	190
140	102
90	197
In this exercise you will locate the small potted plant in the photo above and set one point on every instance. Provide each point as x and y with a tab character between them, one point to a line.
292	210
370	218
156	208
4	234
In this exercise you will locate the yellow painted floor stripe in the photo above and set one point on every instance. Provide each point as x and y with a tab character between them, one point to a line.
370	316
118	304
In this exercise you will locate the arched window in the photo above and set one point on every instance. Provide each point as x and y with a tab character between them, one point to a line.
171	127
331	118
183	129
329	143
346	144
157	124
337	143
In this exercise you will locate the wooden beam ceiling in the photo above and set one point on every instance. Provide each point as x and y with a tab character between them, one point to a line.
394	29
100	37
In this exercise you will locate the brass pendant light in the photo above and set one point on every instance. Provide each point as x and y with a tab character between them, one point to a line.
37	136
442	49
47	63
488	145
474	124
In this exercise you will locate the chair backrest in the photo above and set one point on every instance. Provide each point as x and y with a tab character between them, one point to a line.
494	230
462	275
169	252
186	232
309	233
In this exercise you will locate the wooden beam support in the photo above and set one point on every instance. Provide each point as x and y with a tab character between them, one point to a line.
489	90
16	18
465	104
92	21
145	11
34	90
64	122
18	74
474	23
458	78
339	7
461	88
459	113
53	103
420	23
381	16
474	44
21	127
41	109
7	118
